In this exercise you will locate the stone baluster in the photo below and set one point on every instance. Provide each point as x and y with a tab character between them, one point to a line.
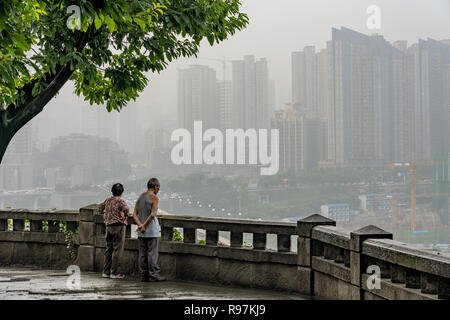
189	235
236	239
128	231
259	241
412	279
3	225
444	288
18	224
339	255
329	251
398	274
212	237
53	226
283	242
36	225
347	258
317	249
429	283
72	225
166	233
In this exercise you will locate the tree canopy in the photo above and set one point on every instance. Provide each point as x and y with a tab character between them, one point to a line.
105	47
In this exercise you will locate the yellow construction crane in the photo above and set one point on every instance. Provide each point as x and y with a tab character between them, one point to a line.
412	181
413	192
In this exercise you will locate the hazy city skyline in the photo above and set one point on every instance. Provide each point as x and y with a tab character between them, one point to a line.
273	33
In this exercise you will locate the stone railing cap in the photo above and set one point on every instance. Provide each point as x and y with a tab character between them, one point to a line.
304	226
357	237
370	229
316	218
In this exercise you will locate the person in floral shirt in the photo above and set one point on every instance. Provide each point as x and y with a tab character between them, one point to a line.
115	213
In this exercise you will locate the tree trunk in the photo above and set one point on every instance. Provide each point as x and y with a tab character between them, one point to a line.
25	113
4	141
15	117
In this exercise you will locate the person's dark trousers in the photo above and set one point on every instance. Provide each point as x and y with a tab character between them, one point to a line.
115	238
148	258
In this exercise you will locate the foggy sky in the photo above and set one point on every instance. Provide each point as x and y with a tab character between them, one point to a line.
276	29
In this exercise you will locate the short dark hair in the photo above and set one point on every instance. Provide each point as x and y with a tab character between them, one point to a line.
117	189
152	183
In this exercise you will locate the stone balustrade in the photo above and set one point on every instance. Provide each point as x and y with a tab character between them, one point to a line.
40	241
236	228
36	219
329	262
407	272
343	262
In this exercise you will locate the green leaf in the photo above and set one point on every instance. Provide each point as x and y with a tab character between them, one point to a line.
110	23
21	41
141	22
97	22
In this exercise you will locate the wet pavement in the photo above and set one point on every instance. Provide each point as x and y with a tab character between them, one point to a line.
22	283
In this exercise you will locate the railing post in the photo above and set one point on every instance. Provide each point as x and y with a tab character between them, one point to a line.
398	274
18	225
189	235
86	251
444	289
36	225
212	237
259	241
283	242
429	283
412	279
128	231
72	225
356	262
166	233
305	250
236	239
3	224
53	226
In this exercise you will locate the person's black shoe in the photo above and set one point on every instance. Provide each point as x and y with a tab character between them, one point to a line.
144	277
158	279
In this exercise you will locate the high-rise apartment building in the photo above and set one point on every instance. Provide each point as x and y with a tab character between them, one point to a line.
431	86
361	84
401	103
382	102
250	93
225	104
305	86
197	100
302	141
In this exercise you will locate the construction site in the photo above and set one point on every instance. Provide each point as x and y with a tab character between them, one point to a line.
414	207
